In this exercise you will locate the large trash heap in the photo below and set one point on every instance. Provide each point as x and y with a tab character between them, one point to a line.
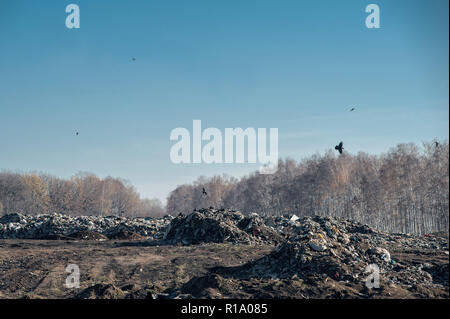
307	234
218	226
58	226
315	248
346	251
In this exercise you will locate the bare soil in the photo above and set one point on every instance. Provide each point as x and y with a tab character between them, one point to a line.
136	269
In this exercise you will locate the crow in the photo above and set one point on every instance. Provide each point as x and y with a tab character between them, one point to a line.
339	147
204	192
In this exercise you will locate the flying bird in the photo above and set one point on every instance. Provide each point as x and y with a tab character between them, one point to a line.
352	109
339	147
437	144
204	192
133	59
77	133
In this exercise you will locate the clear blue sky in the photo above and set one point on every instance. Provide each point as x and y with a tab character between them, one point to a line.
295	65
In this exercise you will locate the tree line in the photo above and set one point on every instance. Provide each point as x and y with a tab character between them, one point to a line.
83	194
405	190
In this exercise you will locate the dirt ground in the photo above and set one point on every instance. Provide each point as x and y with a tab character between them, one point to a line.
136	269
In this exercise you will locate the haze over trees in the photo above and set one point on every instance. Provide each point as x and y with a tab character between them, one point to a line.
404	190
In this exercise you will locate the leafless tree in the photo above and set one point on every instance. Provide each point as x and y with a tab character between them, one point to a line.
405	190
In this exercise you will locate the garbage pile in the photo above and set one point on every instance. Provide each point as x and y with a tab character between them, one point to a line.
58	226
284	225
290	225
342	250
218	226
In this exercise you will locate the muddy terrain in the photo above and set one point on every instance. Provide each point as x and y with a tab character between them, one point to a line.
219	254
36	269
125	269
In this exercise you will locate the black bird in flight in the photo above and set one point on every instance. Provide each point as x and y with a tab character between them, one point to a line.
339	147
437	144
133	59
352	109
204	192
77	133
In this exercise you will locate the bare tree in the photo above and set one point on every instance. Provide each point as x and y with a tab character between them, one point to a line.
152	208
405	190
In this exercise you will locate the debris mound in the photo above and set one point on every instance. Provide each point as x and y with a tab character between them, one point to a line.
58	226
218	226
324	248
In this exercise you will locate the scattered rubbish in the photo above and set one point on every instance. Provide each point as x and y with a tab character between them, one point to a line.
58	226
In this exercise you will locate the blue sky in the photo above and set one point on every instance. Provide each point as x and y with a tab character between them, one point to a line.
295	65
